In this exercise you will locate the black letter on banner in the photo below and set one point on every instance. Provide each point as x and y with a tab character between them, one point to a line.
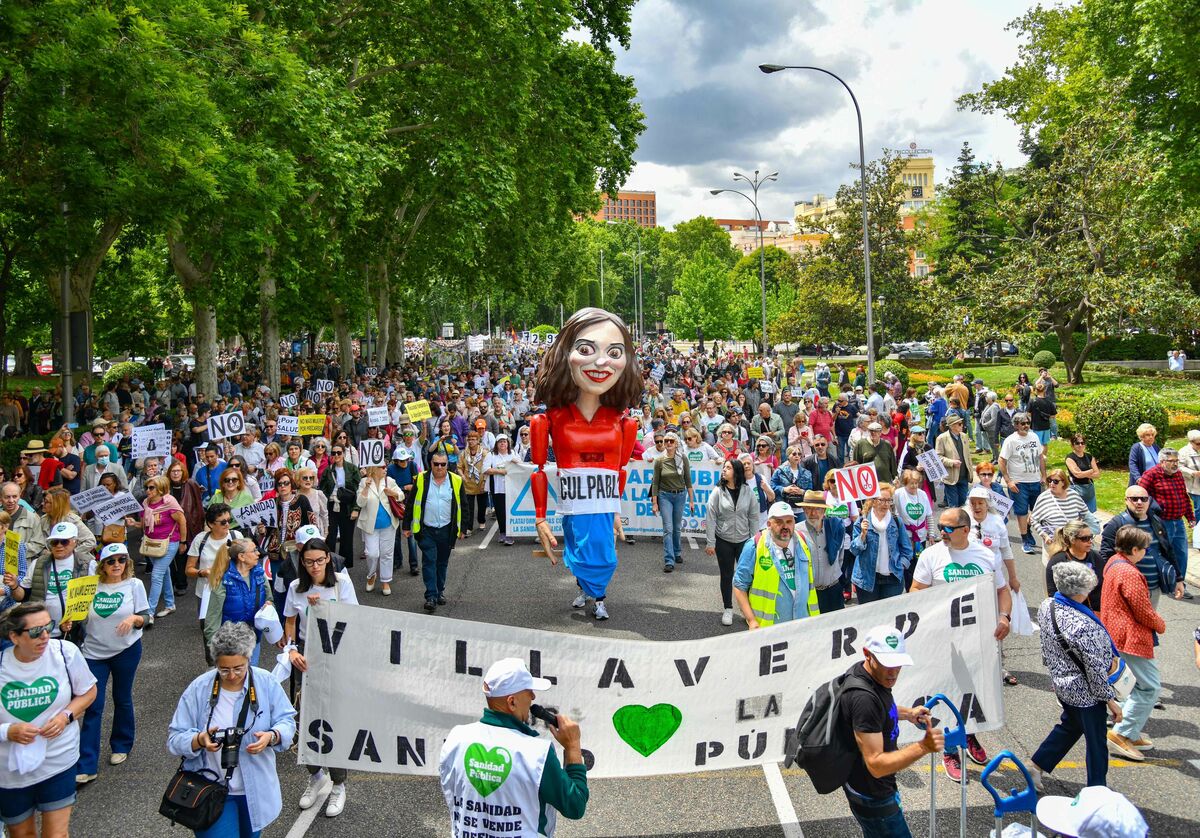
906	624
760	745
329	644
971	708
708	750
843	641
535	667
589	759
770	659
691	677
962	611
364	743
460	660
319	729
404	750
614	670
396	638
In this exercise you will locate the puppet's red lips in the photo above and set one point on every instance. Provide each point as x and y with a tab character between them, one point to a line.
599	376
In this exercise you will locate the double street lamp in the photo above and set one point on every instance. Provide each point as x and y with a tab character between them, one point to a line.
862	169
755	183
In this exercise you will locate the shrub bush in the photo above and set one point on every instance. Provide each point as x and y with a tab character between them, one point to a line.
543	330
895	368
1144	346
128	368
957	364
10	450
1044	359
1108	417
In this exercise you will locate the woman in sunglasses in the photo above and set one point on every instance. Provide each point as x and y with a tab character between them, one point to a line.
112	646
1055	507
1074	542
35	669
232	492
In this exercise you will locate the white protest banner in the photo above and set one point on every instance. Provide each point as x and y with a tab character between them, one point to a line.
289	400
323	385
113	510
637	512
224	425
370	453
251	516
935	469
86	501
151	441
797	392
635	413
384	687
766	386
287	425
377	416
1003	504
266	481
857	482
475	343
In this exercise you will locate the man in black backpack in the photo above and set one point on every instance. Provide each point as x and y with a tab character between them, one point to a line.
875	719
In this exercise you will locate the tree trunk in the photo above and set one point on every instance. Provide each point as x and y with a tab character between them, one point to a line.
197	289
270	324
345	347
23	356
5	278
396	345
385	319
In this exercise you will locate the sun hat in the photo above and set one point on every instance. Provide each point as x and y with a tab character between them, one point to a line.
1096	812
886	643
115	549
36	446
305	534
813	499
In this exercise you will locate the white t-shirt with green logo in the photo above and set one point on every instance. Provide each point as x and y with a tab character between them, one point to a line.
34	693
939	564
112	604
296	604
60	574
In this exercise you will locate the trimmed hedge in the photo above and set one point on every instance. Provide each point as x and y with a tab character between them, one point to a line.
1140	347
895	368
1109	416
127	368
10	451
1044	359
543	330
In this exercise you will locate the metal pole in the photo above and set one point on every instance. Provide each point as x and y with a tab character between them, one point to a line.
862	164
601	277
641	323
489	315
64	290
762	271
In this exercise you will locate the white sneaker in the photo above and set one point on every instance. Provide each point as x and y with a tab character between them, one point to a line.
165	611
370	584
601	611
727	617
117	759
579	601
337	800
315	783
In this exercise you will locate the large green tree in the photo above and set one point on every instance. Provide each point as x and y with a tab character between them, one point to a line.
703	299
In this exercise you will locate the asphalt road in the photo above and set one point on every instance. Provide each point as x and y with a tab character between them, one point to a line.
516	589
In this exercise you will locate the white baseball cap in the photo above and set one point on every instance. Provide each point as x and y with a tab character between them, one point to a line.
402	452
116	549
781	509
1096	812
62	531
509	677
886	643
305	534
979	492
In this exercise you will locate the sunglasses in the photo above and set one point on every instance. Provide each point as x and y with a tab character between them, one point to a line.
337	452
283	483
762	447
223	521
1053	481
820	445
987	474
726	433
439	465
35	632
1138	499
1087	537
949	529
60	542
114	560
230	481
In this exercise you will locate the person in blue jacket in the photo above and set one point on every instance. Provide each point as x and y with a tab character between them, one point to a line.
882	549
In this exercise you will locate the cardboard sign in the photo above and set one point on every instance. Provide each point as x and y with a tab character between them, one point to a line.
225	425
287	425
121	504
314	396
1003	503
250	516
311	424
372	371
371	453
377	416
80	593
935	469
418	411
797	392
151	441
768	387
754	372
857	482
12	552
323	385
289	401
85	501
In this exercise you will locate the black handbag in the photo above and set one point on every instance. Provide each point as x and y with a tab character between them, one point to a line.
195	799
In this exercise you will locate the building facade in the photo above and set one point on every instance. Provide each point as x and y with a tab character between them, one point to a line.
629	205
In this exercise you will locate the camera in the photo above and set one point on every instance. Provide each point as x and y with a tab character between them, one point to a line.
230	740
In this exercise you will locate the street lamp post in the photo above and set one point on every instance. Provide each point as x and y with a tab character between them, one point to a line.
862	169
755	183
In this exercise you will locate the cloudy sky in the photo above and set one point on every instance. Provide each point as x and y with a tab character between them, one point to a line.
709	111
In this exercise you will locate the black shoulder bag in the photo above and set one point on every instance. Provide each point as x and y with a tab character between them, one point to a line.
195	799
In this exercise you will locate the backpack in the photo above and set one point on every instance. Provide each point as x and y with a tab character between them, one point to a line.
821	743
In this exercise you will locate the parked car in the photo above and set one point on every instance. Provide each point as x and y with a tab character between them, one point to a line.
918	350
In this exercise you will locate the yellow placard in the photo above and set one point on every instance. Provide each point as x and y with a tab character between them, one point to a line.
311	424
80	593
754	372
12	552
418	411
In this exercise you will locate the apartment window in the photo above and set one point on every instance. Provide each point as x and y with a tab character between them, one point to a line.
922	270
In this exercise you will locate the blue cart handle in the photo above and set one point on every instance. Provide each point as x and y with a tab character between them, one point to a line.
956	737
1016	801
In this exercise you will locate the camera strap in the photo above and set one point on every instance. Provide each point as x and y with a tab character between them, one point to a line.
251	698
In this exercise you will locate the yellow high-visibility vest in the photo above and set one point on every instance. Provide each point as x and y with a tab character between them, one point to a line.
764	586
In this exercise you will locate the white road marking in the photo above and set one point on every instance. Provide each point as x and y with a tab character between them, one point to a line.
782	800
691	540
487	538
1195	763
300	827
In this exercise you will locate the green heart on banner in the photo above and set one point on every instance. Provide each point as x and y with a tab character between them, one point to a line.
106	603
487	769
955	572
916	511
28	701
646	729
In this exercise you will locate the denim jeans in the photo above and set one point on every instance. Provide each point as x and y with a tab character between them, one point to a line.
1087	491
885	588
398	549
1177	531
956	493
1087	722
436	544
123	668
1137	707
234	821
1195	505
878	817
159	583
670	507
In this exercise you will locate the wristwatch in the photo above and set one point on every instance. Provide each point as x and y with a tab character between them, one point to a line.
1006	616
275	737
70	717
